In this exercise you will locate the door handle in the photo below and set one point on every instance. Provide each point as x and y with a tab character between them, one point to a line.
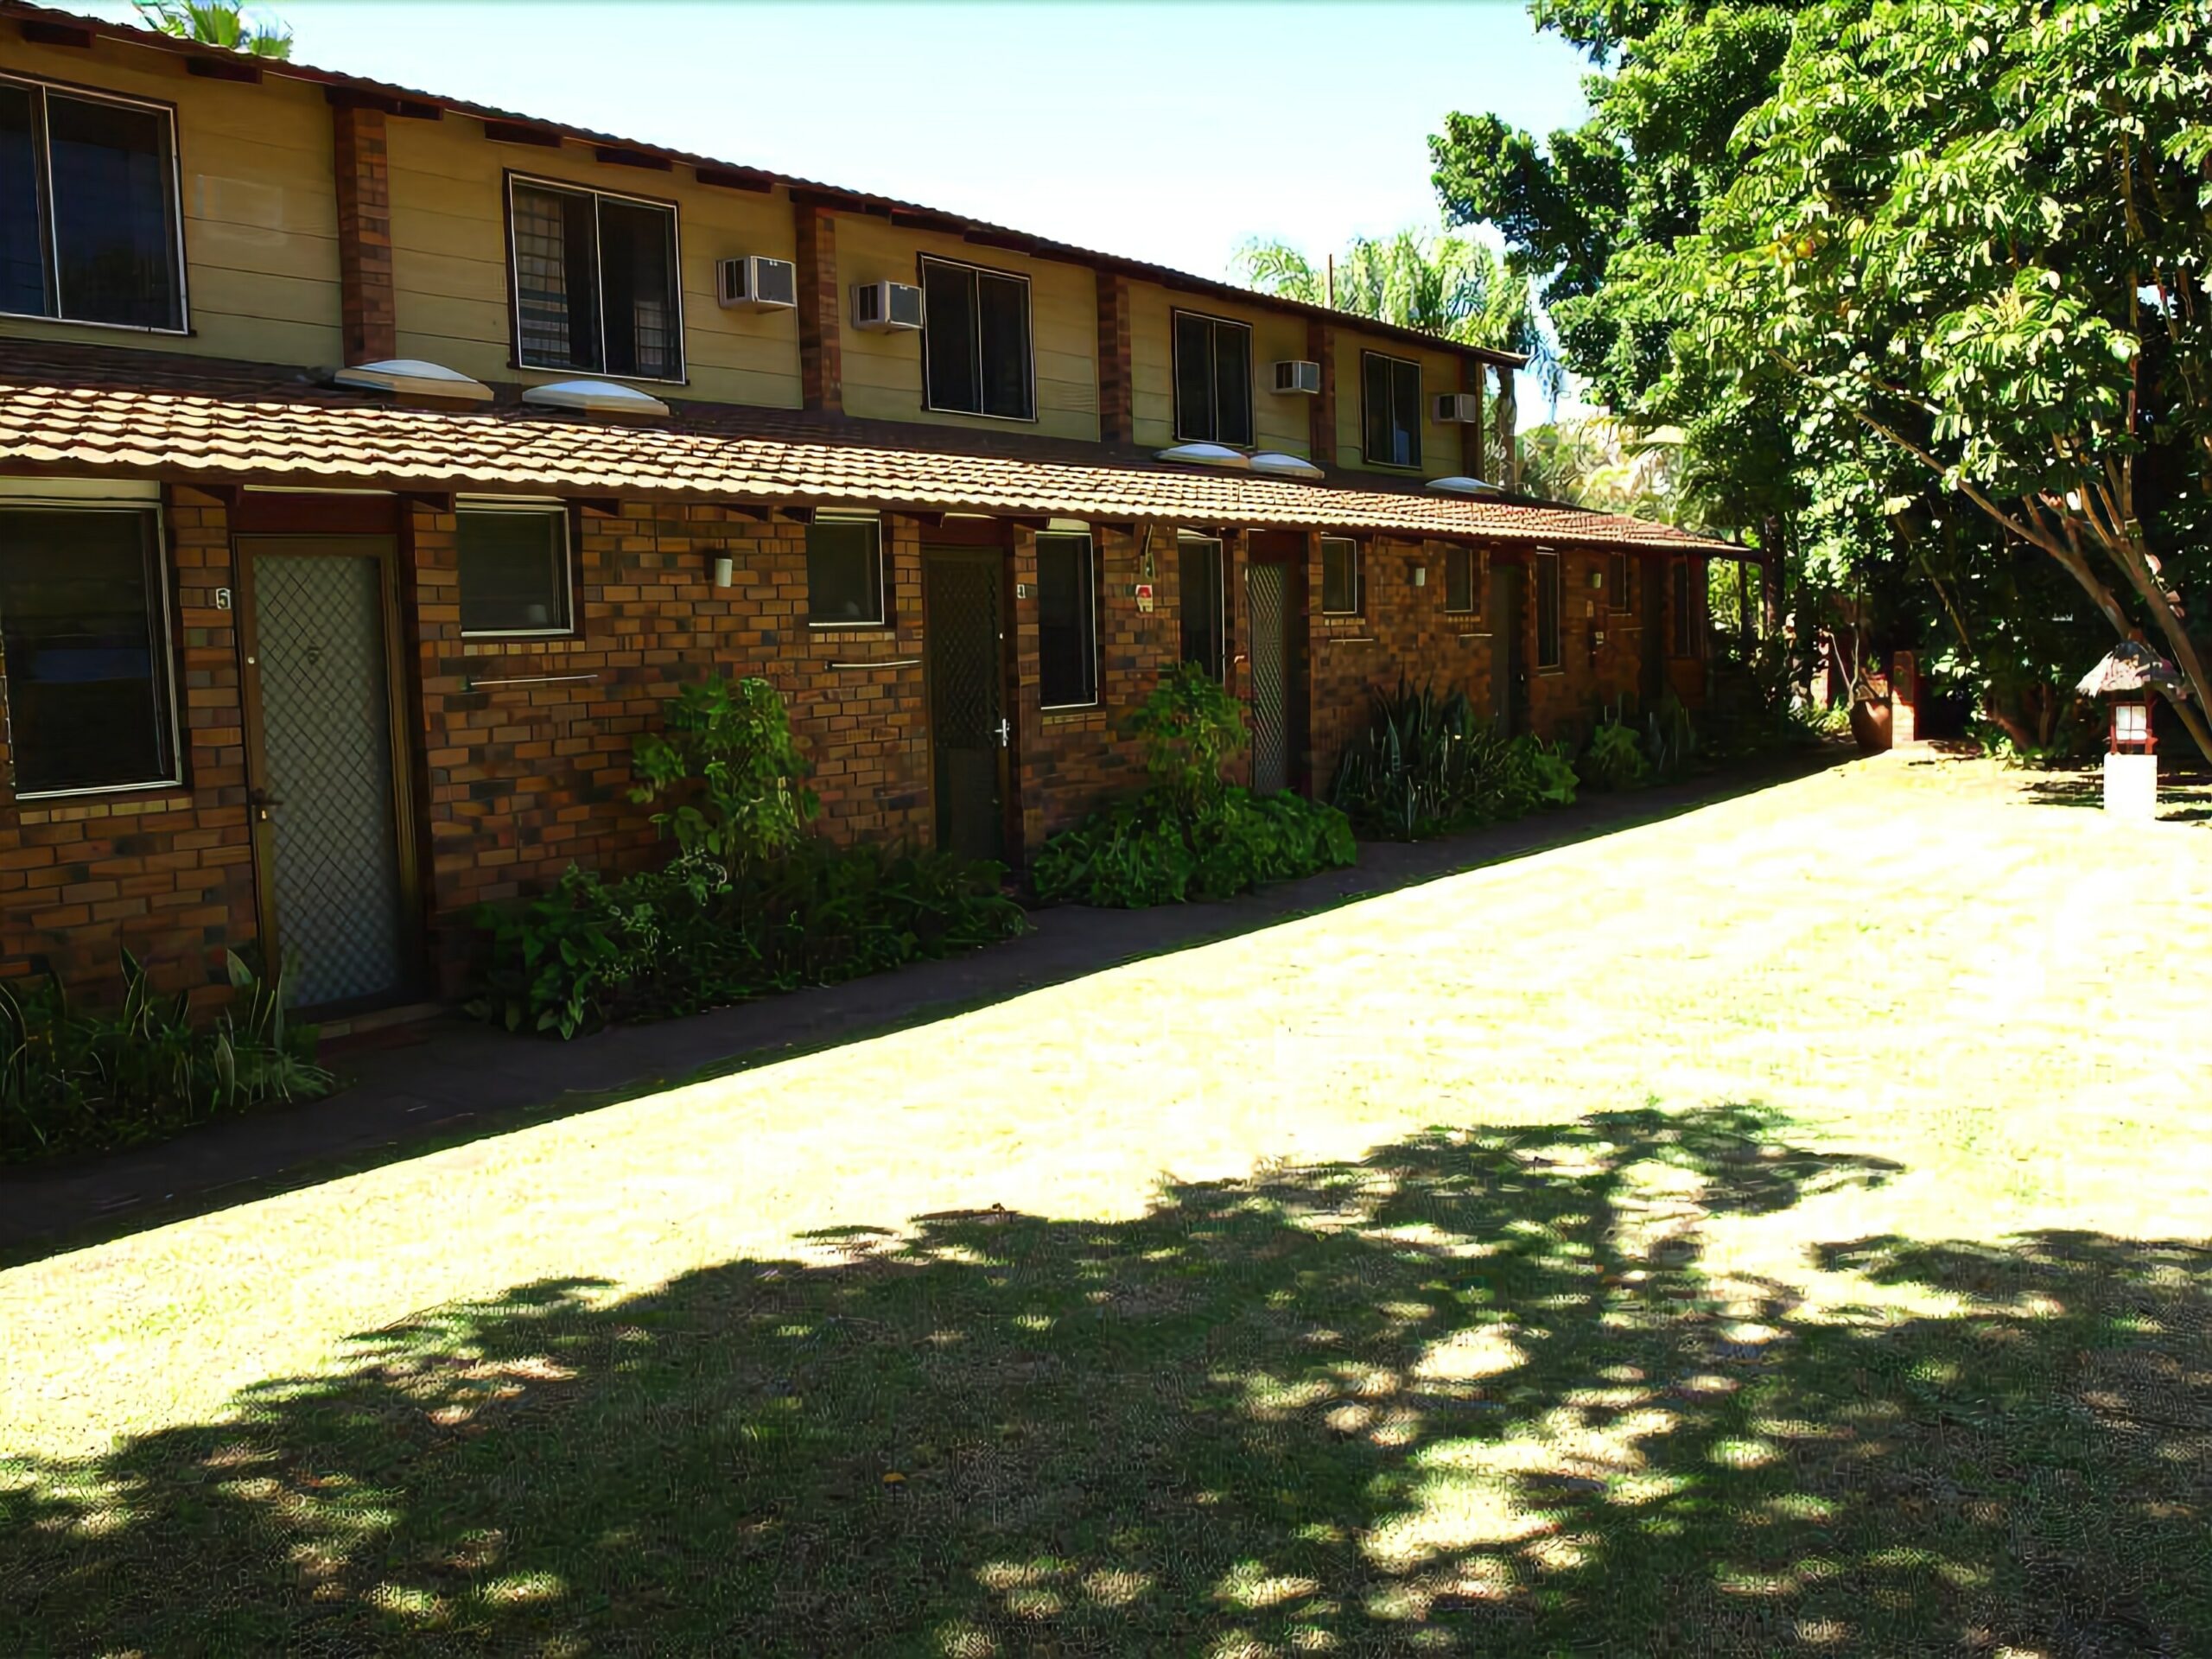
1006	731
261	800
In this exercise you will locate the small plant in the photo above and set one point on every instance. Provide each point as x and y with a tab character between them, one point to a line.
727	756
1613	759
1547	774
1190	726
1669	739
73	1081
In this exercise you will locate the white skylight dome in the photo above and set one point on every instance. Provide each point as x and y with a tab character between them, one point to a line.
413	376
595	397
1460	484
1209	454
1276	464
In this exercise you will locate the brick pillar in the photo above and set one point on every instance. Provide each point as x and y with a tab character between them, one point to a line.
1116	405
1905	699
1321	346
821	356
367	308
1509	452
1471	376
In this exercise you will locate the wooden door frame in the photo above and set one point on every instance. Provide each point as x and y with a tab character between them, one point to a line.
985	545
384	548
1266	548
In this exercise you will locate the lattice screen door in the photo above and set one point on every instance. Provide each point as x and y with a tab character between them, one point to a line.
1267	588
325	738
969	731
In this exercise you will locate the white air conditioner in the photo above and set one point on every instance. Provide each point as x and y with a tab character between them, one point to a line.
756	283
1459	408
885	308
1296	375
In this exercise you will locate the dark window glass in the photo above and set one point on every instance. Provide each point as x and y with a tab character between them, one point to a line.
1004	328
1213	381
1198	579
514	571
1067	663
1460	579
1390	395
844	572
114	213
1340	585
86	661
595	285
949	298
22	237
1620	577
1688	607
637	260
976	342
1549	597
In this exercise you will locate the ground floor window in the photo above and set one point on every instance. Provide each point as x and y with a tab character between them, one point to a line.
1550	601
1205	622
844	571
1341	584
84	622
1688	607
1460	591
514	568
1067	621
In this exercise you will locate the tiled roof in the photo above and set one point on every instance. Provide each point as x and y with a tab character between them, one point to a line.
74	409
413	100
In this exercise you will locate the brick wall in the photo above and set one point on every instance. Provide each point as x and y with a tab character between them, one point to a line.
368	295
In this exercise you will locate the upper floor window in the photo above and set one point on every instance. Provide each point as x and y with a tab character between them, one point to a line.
594	283
844	571
1213	380
976	342
1204	599
1551	604
88	209
1067	625
1390	396
83	624
1343	582
514	568
1460	591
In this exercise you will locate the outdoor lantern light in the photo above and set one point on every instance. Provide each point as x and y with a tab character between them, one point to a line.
725	570
2129	673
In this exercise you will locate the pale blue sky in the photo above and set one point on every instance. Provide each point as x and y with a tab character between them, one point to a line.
1164	132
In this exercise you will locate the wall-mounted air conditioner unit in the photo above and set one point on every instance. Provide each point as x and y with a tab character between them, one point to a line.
1296	375
1459	408
883	308
756	283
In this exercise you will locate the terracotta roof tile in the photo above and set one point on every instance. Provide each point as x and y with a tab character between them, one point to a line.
73	408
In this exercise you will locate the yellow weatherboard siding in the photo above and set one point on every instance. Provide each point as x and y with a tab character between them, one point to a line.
449	259
260	208
1278	423
1439	372
883	371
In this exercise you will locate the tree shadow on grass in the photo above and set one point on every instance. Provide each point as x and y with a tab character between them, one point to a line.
1477	1392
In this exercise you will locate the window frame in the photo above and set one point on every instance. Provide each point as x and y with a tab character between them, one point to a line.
548	507
1089	540
1543	558
1184	434
162	631
1358	575
1474	606
1366	417
1220	546
882	618
1623	602
922	262
509	180
1686	641
53	261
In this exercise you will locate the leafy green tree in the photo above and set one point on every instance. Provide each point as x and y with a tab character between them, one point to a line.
1447	285
728	758
218	22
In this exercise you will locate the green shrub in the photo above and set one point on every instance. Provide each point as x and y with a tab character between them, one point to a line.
1544	774
1614	758
689	937
83	1081
728	757
1190	726
1427	766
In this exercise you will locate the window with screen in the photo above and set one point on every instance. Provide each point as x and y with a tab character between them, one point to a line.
1620	577
84	630
1688	607
1067	630
844	572
1213	380
514	568
594	283
976	342
88	209
1550	603
1459	589
1342	586
1200	582
1390	395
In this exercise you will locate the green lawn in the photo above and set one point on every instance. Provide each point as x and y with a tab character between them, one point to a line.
1780	1229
